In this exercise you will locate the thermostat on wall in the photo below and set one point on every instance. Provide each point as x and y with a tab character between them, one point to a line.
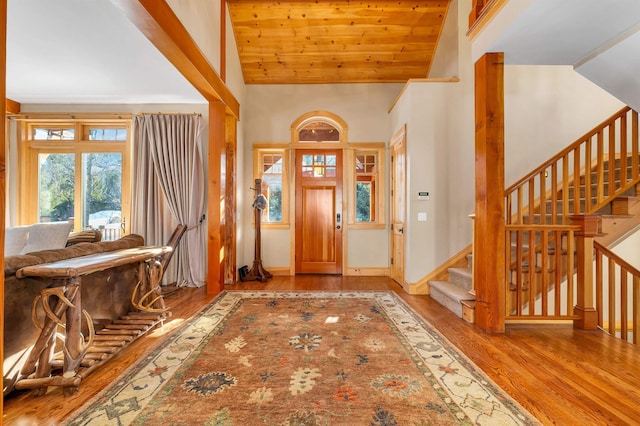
423	195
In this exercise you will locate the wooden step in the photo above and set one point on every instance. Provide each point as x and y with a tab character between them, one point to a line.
469	311
449	295
626	205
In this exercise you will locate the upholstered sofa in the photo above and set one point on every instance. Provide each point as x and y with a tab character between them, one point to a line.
106	295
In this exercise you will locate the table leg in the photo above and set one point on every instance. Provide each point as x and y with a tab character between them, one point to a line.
49	327
74	345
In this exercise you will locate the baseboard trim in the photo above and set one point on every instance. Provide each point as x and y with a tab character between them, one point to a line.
364	272
367	272
280	271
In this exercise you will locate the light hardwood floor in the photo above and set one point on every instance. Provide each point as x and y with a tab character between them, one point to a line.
561	375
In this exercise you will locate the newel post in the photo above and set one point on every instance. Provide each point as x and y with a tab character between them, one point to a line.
585	304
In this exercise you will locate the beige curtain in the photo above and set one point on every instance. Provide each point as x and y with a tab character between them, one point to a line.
169	170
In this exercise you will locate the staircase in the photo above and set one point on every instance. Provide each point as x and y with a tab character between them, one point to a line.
541	205
456	293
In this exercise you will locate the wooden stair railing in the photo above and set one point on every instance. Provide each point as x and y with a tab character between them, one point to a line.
580	165
581	179
617	294
535	263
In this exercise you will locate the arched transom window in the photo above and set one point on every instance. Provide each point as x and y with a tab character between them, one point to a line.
319	127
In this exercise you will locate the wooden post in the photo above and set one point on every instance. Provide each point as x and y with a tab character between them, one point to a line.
217	118
489	235
585	307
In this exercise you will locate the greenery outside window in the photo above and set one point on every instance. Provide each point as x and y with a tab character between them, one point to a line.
271	165
76	170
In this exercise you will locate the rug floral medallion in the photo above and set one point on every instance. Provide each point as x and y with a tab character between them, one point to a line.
304	358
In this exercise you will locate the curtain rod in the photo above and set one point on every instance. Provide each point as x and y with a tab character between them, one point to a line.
71	116
60	116
167	113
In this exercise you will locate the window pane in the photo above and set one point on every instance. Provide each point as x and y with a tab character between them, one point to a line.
272	189
363	202
319	131
52	134
272	164
307	160
307	171
106	134
102	192
56	174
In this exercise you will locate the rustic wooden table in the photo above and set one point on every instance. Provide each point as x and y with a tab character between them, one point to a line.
80	357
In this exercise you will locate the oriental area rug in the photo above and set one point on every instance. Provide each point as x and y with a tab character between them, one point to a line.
304	358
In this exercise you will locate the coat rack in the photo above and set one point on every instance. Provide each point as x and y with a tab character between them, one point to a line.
257	272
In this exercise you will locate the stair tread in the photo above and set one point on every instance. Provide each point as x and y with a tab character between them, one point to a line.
452	290
462	271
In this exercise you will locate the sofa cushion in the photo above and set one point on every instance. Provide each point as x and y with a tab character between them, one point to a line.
15	239
47	236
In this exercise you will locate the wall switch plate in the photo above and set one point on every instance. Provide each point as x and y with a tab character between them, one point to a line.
422	216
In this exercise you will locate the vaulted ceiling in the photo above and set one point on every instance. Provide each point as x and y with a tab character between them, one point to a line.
339	41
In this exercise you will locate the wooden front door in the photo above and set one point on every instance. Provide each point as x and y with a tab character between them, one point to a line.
319	217
398	189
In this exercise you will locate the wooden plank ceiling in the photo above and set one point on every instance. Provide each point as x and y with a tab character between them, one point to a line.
336	41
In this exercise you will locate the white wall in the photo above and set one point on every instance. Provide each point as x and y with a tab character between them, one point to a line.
269	111
197	16
546	109
444	63
629	249
440	159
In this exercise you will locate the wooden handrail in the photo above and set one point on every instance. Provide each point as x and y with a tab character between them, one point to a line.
612	295
569	148
587	163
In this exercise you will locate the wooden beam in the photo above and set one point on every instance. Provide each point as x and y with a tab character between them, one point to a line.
3	164
12	107
489	235
215	254
156	20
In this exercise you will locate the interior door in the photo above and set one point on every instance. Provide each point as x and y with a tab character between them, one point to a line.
319	217
398	210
